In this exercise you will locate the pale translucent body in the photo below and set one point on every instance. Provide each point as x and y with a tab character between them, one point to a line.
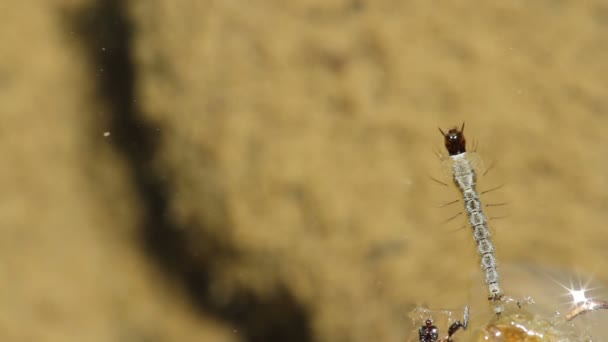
463	174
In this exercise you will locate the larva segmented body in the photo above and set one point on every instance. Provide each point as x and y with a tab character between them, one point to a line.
463	174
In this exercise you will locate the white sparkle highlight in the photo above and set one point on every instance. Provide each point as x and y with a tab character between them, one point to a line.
578	296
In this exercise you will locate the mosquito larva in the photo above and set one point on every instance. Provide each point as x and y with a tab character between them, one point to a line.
430	333
464	176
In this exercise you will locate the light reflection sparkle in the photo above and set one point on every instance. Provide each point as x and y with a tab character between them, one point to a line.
578	296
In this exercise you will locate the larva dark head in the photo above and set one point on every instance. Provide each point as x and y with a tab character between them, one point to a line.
428	332
455	142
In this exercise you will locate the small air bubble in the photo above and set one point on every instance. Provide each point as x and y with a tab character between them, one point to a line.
106	134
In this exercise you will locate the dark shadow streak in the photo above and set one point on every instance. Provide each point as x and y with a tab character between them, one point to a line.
106	35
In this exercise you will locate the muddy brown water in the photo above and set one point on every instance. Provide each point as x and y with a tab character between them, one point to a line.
260	171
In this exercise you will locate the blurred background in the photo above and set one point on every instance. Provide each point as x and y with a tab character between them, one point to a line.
260	170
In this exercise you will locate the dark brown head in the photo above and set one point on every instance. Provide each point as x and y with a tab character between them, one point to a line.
428	332
455	142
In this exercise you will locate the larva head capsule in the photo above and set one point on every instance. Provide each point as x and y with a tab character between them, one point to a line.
430	333
455	142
